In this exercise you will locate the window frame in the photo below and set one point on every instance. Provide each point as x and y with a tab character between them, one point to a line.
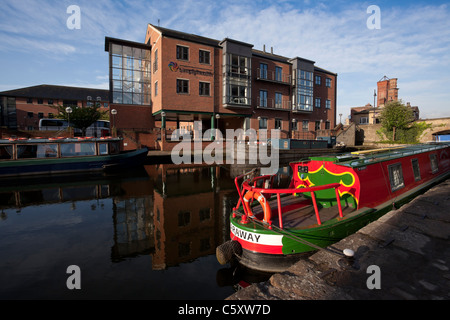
182	52
393	169
182	84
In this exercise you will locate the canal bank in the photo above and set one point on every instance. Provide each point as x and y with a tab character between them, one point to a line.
405	255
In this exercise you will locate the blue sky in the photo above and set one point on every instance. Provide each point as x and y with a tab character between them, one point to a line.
412	43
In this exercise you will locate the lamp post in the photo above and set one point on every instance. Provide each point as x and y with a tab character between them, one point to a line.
69	111
114	112
217	127
374	106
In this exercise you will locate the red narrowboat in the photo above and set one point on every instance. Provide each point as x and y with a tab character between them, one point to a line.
328	199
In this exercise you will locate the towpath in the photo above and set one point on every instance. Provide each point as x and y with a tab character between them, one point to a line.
405	255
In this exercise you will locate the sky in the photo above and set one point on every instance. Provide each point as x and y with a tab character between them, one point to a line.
361	41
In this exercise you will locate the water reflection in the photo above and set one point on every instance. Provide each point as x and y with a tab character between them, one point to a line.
164	217
148	234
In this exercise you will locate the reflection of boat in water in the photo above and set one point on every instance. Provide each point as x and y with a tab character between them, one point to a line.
329	198
60	155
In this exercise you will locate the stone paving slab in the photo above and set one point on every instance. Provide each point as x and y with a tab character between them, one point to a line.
410	246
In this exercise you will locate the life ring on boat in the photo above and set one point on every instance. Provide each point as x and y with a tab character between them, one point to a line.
262	201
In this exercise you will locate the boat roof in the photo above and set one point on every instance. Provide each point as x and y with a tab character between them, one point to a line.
55	140
363	158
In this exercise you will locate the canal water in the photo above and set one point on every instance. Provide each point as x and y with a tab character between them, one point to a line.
149	233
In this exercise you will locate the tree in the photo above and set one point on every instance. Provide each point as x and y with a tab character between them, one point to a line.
396	115
81	117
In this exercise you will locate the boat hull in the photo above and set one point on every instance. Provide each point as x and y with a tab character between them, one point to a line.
76	164
275	250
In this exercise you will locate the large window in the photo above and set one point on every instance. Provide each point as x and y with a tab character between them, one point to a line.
130	72
263	71
304	90
237	81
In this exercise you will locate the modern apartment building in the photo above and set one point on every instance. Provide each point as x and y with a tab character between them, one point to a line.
174	79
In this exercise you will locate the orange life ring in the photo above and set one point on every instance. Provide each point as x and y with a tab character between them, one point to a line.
262	201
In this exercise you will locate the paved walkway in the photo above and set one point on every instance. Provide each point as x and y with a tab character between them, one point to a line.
405	255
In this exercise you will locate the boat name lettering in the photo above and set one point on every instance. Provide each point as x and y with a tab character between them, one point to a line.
245	235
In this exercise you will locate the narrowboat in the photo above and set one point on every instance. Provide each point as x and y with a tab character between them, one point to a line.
64	155
329	198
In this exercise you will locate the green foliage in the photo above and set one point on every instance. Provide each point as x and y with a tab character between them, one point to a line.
81	117
409	135
396	115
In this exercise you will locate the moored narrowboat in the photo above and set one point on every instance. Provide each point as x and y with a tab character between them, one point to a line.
62	155
328	199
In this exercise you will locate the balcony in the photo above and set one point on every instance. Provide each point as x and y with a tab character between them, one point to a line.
302	108
271	104
237	102
273	76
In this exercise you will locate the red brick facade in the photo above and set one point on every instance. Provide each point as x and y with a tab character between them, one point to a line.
192	79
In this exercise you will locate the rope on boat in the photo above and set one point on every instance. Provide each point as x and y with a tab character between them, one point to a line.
296	238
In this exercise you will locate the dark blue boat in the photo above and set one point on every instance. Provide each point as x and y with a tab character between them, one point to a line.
61	155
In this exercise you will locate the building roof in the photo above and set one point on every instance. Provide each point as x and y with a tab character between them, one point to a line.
58	92
187	36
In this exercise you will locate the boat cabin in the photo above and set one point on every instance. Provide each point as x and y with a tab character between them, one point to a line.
37	148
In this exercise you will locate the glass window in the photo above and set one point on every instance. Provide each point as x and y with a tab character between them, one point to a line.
396	176
317	102
103	148
77	149
204	88
26	151
182	53
182	86
305	125
278	100
263	123
434	163
262	98
130	72
263	71
304	90
328	82
47	151
278	123
318	80
204	56
278	74
416	170
6	152
328	104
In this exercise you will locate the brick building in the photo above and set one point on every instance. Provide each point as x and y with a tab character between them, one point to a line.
175	78
21	109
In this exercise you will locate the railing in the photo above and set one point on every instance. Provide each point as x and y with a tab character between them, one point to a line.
273	104
270	75
270	191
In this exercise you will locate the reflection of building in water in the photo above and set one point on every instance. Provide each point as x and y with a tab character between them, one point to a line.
190	212
133	219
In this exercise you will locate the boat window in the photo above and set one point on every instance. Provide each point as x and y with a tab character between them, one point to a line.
114	147
77	149
6	152
47	150
434	163
396	176
26	151
416	171
102	148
